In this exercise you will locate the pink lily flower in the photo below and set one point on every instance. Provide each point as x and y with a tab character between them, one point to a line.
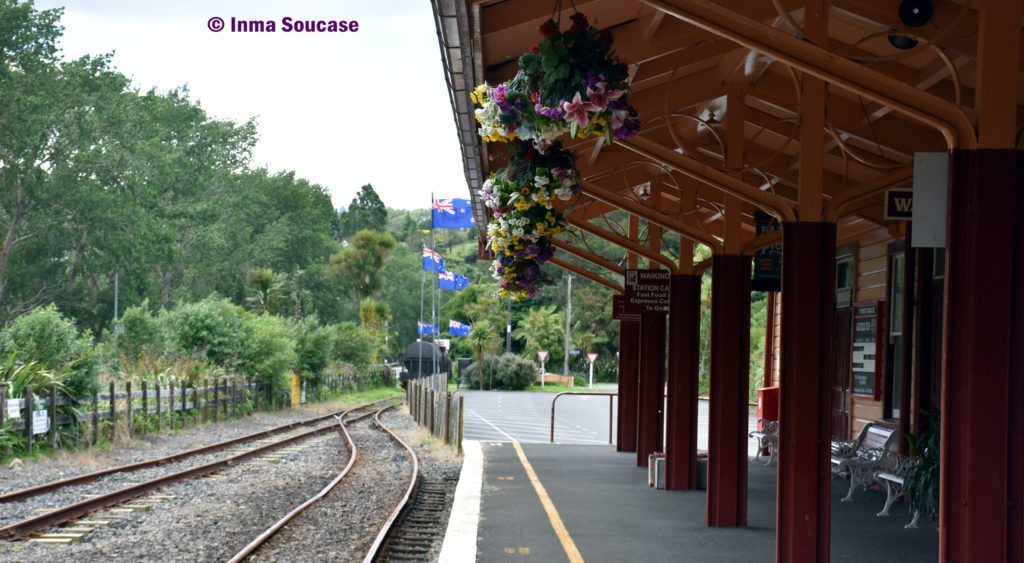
575	111
600	96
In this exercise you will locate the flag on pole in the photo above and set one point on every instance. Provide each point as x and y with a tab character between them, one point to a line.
426	328
455	213
461	281
455	328
451	281
432	261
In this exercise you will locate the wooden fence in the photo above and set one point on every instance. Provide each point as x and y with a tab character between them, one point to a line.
436	409
140	407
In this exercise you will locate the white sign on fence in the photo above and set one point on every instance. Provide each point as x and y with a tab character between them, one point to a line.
40	422
14	408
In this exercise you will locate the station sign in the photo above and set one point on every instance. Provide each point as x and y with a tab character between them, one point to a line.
899	204
647	291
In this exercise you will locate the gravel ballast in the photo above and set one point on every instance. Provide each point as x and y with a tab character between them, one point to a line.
212	519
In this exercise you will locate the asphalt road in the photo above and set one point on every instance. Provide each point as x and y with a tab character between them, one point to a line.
503	416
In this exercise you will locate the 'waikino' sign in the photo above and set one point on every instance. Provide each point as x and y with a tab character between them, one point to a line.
647	291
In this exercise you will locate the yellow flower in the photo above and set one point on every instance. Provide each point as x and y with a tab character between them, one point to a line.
478	94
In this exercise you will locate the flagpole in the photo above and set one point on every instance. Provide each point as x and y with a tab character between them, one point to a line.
433	283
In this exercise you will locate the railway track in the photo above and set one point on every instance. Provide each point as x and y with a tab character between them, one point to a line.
93	503
376	468
419	527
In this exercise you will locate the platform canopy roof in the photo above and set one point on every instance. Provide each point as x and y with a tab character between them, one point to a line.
684	70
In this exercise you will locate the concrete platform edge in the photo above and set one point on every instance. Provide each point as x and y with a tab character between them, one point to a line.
460	538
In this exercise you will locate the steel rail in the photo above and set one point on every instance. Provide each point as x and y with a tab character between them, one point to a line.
22	494
63	514
611	409
260	540
372	553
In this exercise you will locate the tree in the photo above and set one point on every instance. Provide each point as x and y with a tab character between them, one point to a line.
268	290
482	339
542	330
357	267
366	212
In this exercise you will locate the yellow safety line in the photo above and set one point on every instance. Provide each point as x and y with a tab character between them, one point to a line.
549	507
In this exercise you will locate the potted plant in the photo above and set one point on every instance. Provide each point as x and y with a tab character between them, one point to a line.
922	484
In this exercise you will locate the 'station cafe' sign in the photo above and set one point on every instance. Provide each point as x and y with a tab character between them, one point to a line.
647	291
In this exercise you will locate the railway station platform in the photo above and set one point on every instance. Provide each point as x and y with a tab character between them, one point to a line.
594	500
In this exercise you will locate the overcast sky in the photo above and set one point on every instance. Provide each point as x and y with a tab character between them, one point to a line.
341	109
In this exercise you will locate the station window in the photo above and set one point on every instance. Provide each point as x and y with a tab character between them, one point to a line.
845	270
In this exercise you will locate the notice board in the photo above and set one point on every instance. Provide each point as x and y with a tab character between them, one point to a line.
866	336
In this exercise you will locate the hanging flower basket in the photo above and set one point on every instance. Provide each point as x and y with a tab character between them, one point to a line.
523	217
574	77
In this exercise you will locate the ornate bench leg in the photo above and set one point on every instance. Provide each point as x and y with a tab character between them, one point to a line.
772	452
913	523
891	495
853	484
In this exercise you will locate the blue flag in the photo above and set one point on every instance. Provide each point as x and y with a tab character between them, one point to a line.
455	328
432	261
452	214
426	328
461	281
451	281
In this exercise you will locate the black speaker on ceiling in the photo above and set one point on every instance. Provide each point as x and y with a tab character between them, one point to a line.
902	42
915	13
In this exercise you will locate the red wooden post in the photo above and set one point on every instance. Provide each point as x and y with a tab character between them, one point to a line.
683	365
629	361
730	383
808	308
651	385
982	483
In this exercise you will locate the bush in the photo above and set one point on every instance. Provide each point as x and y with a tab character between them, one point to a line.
313	345
508	372
42	336
211	329
141	333
353	345
269	351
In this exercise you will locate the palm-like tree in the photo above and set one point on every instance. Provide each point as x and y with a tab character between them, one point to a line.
268	290
481	339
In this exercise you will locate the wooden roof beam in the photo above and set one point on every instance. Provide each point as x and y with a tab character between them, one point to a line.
954	125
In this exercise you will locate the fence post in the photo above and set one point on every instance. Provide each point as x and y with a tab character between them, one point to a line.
159	407
113	411
95	415
255	395
184	403
216	398
447	417
170	406
225	399
3	412
53	416
128	408
28	419
145	401
195	403
462	405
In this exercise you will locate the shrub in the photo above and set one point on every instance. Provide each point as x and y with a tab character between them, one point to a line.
313	345
353	345
42	336
269	351
141	333
211	329
508	371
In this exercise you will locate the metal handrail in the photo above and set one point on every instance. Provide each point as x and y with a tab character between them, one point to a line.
611	409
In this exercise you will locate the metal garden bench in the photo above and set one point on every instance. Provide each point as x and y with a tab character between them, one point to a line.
894	471
767	437
862	457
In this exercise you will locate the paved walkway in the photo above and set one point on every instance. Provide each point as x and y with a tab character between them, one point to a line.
501	416
608	513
